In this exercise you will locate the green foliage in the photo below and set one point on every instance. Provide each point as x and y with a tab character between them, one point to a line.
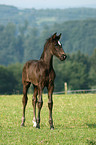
74	70
78	70
74	121
9	52
92	72
16	70
7	81
11	79
31	45
25	43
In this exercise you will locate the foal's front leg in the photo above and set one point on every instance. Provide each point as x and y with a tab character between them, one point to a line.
40	103
34	101
50	104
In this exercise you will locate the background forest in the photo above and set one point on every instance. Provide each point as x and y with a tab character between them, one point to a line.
22	37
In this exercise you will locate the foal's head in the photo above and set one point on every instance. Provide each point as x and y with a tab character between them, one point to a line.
56	47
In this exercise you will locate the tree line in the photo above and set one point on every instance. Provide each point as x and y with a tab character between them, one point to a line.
41	17
78	70
22	43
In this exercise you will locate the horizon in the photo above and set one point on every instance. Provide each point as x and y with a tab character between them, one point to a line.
49	4
91	7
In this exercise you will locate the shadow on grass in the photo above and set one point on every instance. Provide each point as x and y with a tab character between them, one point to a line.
91	142
64	126
91	125
69	126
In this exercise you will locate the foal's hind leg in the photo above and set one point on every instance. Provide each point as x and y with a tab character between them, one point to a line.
24	100
34	101
50	104
40	103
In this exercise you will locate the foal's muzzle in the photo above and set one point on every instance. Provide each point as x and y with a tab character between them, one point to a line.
63	57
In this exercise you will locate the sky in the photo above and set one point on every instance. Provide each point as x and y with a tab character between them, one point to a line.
39	4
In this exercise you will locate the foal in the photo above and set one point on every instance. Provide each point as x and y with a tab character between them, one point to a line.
41	74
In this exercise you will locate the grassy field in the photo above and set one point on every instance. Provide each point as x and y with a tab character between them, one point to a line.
74	121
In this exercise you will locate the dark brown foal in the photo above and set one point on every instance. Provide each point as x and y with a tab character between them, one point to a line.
41	74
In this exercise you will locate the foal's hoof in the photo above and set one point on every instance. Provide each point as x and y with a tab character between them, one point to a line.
23	121
38	126
52	128
34	123
22	124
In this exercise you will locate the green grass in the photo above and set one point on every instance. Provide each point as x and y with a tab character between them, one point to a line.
74	121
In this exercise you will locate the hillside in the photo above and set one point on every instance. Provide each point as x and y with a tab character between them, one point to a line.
39	18
29	42
23	32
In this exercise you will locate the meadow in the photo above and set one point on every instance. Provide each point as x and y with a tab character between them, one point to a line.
74	118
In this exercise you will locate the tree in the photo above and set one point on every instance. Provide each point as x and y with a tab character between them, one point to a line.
8	53
31	45
16	70
92	72
74	70
7	81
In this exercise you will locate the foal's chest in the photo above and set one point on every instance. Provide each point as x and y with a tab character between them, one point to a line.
49	75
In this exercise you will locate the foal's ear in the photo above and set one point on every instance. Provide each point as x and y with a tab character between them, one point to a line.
54	36
59	36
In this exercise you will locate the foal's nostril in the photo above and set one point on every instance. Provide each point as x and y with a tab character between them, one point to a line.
63	56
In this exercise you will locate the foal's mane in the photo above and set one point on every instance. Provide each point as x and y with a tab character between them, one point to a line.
46	46
47	42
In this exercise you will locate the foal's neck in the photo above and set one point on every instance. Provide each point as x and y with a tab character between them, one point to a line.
47	57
